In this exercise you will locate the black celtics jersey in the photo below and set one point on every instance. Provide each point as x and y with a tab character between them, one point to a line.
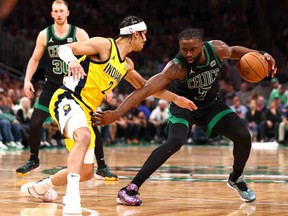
200	84
55	67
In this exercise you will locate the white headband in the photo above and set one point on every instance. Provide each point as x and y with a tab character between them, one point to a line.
127	30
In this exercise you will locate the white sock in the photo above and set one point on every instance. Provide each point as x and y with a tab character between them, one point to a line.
73	180
43	185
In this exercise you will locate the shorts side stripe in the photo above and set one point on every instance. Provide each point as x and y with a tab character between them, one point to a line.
214	121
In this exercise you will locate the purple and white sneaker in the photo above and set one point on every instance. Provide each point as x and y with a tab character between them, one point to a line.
127	195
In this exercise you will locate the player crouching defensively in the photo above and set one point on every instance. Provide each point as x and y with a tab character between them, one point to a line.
103	59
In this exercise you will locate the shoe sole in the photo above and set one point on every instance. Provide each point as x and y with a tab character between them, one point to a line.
118	200
99	177
26	173
247	201
76	212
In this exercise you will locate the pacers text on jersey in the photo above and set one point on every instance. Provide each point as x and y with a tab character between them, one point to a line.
111	71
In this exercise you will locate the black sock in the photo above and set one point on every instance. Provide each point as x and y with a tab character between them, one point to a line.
98	150
34	158
234	176
177	137
139	179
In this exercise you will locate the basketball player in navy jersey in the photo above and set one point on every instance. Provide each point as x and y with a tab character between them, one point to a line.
194	73
47	42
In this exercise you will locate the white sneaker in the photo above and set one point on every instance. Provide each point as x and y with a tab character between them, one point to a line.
11	144
71	205
2	145
19	145
48	196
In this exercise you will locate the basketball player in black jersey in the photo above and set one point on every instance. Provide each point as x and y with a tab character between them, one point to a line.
192	73
47	43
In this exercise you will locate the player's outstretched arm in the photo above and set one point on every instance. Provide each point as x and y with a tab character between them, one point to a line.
155	84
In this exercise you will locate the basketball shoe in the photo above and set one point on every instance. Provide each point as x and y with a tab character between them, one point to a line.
30	165
127	195
246	194
72	205
48	196
105	174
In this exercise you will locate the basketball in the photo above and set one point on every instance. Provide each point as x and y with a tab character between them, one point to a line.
253	67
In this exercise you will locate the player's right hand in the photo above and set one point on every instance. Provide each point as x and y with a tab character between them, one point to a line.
28	90
76	70
104	118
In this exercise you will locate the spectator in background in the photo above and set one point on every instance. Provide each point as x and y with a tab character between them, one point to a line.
265	88
158	119
6	103
2	145
268	129
253	119
243	93
51	135
283	129
108	132
281	93
239	108
230	93
146	106
23	115
136	122
261	104
11	130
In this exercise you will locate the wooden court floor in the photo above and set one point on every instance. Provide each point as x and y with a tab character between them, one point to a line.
191	182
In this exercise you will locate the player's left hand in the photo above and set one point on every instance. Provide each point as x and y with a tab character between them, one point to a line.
271	62
185	103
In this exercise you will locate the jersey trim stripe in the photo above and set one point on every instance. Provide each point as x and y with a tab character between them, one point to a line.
41	107
65	37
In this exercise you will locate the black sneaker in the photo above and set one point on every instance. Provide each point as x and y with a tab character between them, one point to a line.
105	174
30	165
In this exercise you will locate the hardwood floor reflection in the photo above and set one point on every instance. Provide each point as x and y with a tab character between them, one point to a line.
191	182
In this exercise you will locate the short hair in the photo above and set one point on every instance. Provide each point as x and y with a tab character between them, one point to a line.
190	33
60	2
130	20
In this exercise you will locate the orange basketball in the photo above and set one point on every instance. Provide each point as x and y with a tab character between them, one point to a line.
253	67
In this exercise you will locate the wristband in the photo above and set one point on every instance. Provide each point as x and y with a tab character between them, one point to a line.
262	52
65	53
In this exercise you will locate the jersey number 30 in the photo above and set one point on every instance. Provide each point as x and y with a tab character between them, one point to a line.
59	66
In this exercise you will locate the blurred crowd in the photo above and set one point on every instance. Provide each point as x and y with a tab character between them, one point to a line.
263	108
256	24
